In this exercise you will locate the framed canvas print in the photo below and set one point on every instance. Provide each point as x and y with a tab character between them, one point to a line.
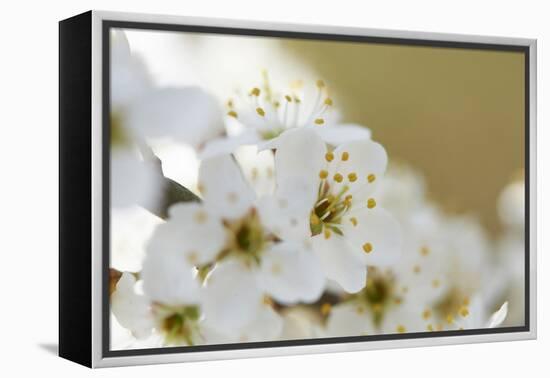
235	189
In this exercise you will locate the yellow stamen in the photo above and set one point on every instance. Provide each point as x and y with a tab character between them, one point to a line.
267	300
466	301
353	221
424	251
401	329
352	177
230	103
367	247
288	98
320	84
276	104
371	203
371	178
329	156
430	327
319	121
328	101
327	233
323	174
426	314
232	113
325	309
450	318
338	177
345	156
255	92
260	112
464	311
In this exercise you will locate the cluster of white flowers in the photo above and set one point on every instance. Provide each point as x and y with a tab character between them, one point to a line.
296	232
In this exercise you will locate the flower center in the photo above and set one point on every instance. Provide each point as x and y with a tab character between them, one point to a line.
246	237
326	216
178	324
379	293
277	112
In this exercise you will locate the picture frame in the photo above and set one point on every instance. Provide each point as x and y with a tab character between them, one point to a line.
85	210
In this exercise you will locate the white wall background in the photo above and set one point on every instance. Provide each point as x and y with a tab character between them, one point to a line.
28	194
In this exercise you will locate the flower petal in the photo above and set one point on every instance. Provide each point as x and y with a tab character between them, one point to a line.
291	274
404	317
129	76
287	222
266	326
344	133
498	317
231	296
169	279
132	311
375	234
191	230
258	168
187	114
349	320
223	187
340	263
133	182
228	145
365	160
298	161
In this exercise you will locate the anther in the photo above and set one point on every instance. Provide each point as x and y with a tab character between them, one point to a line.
353	221
352	177
338	177
232	113
328	101
345	156
424	251
326	308
260	112
323	174
371	203
327	233
319	121
288	98
320	84
255	92
401	329
367	247
371	178
329	156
